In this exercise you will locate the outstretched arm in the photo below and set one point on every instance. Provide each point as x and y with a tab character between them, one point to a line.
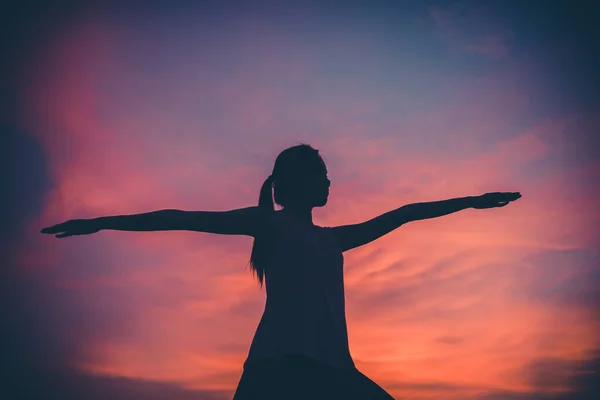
351	236
243	221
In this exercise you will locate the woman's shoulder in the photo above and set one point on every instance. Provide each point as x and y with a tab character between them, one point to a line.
270	222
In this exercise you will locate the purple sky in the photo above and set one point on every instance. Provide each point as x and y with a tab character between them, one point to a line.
115	110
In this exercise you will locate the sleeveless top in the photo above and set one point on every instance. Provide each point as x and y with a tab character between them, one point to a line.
305	309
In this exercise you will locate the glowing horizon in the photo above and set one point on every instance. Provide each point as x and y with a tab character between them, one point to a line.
159	112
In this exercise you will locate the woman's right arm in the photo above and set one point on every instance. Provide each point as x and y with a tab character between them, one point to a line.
244	221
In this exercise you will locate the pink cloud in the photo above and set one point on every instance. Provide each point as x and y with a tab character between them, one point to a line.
462	31
492	46
439	16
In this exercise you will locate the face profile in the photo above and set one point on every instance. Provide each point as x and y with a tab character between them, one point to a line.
322	190
313	187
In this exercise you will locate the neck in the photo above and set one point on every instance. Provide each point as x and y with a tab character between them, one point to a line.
304	215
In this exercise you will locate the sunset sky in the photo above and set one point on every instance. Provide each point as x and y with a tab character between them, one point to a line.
125	110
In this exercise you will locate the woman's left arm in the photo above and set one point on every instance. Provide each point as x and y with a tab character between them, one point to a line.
355	235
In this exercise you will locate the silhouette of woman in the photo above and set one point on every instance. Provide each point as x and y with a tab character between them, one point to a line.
300	348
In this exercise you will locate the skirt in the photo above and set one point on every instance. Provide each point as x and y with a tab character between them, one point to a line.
295	377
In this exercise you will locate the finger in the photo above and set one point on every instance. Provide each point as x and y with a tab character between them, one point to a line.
510	197
63	235
57	228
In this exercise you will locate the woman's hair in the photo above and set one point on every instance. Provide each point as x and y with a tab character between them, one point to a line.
290	165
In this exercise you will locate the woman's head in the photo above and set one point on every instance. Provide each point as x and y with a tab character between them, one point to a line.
299	178
299	181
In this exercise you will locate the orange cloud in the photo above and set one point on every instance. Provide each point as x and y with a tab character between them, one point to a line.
443	307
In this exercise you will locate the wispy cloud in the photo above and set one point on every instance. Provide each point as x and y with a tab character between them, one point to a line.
133	120
472	30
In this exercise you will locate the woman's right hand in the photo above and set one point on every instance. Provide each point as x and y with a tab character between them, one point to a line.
73	227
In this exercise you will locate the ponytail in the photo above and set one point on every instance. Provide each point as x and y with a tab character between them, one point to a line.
257	256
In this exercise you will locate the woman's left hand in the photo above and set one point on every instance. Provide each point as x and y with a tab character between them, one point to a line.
494	199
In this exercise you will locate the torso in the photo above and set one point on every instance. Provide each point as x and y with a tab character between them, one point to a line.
305	308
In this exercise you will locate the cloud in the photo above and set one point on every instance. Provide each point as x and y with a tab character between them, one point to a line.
475	30
46	327
576	378
450	339
74	385
448	307
492	46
